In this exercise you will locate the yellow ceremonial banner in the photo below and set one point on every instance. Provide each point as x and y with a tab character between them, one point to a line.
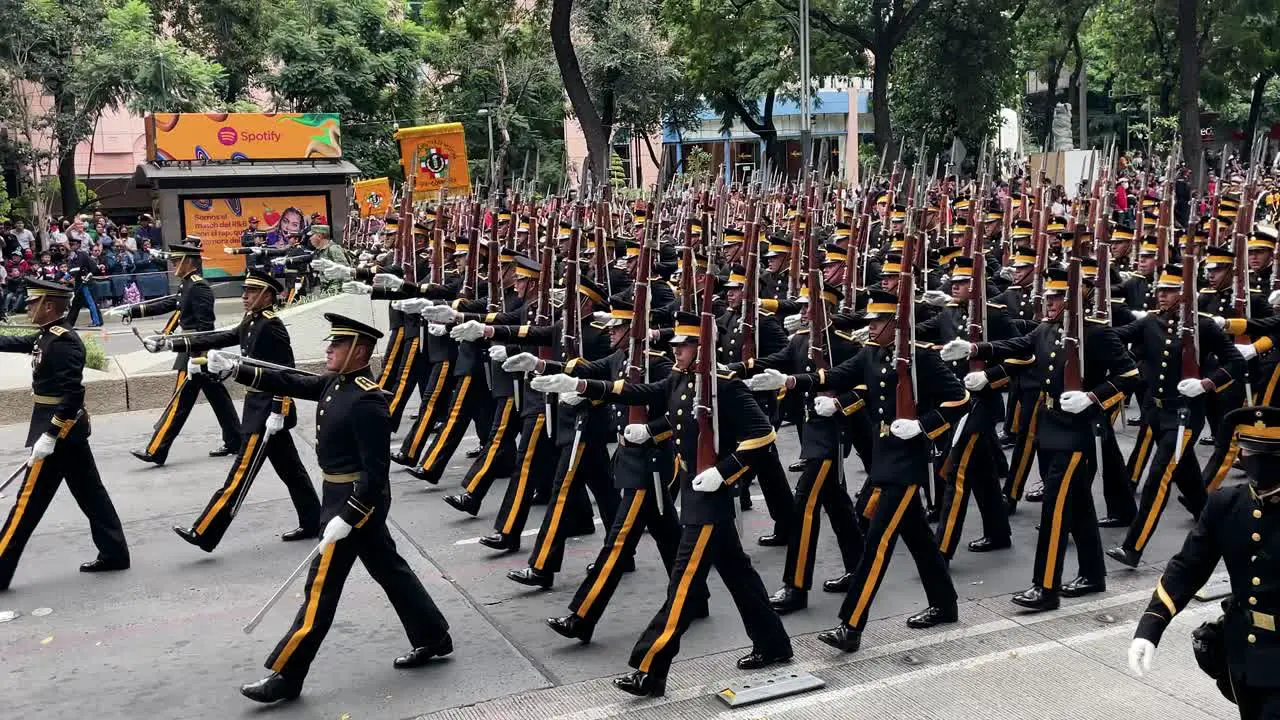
243	136
437	156
224	221
373	196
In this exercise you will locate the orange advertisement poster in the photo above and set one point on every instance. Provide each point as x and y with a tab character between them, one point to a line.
242	136
373	196
222	222
437	156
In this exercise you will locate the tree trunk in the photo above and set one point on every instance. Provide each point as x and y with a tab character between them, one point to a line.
65	104
504	130
880	97
1189	88
1255	104
593	129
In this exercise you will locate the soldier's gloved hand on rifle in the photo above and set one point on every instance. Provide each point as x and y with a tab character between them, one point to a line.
1247	350
220	362
441	314
193	367
387	281
353	287
570	398
1274	299
332	271
1006	273
155	343
436	329
791	323
861	335
412	306
117	311
936	298
556	383
1141	653
709	480
365	257
957	350
975	381
469	331
1220	321
522	362
1191	387
636	434
1074	402
768	380
336	530
42	448
905	429
498	353
825	406
1139	314
275	423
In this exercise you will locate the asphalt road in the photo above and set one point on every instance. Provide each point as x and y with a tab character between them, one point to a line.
164	640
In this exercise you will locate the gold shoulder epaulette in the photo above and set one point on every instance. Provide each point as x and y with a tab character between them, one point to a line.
367	385
655	353
1098	321
802	331
997	305
726	375
268	313
195	277
765	312
845	335
57	330
598	326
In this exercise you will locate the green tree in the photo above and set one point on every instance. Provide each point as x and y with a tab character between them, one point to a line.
232	33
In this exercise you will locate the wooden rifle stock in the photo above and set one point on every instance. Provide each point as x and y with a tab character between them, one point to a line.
1073	329
1190	316
705	369
977	331
904	342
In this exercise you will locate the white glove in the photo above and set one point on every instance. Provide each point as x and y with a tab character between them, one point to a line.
387	281
791	323
570	398
220	361
636	433
436	329
275	423
975	381
155	343
557	383
957	350
366	256
441	314
469	331
117	311
1191	387
1274	299
1139	314
1141	653
353	287
1220	321
413	306
936	298
279	261
1247	350
905	429
321	265
1006	273
1074	402
862	335
825	406
600	316
193	367
42	448
498	352
520	362
768	380
335	531
709	480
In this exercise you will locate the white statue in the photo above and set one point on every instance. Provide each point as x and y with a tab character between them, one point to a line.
1061	128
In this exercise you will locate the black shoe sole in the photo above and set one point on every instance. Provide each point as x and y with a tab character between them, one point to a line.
1068	593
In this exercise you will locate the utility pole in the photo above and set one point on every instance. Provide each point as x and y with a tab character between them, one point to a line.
806	119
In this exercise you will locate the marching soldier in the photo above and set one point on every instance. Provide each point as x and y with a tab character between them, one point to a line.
58	436
708	536
266	421
192	310
867	382
1239	526
1217	298
353	433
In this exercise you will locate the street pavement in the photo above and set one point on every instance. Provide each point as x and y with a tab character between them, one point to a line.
164	640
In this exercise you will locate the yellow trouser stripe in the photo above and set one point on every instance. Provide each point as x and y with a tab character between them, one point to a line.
24	497
882	549
615	551
1025	450
396	337
524	472
309	619
806	526
1227	460
172	323
1165	478
872	503
170	412
405	369
682	593
558	510
495	443
1140	462
454	412
427	411
1055	528
958	498
246	462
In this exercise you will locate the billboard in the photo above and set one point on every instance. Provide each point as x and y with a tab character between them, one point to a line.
242	136
436	155
221	221
373	196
